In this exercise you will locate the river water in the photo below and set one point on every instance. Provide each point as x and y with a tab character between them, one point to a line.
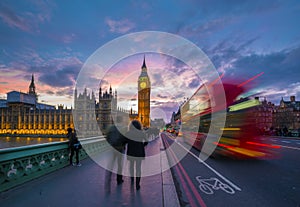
9	142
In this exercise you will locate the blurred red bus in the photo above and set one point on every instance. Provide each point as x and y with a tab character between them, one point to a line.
236	137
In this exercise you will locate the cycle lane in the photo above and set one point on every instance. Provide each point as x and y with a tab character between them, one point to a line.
218	185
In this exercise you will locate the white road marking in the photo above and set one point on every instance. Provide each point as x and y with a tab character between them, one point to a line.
209	185
209	167
286	142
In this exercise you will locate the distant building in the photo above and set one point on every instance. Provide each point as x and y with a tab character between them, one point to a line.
287	114
267	116
88	111
263	115
21	113
91	116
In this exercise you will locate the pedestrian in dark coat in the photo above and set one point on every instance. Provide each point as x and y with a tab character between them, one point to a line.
73	146
116	139
136	142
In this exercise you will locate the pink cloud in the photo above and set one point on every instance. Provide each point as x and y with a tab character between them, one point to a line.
121	26
68	38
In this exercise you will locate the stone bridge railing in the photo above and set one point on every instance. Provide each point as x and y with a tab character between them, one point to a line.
21	164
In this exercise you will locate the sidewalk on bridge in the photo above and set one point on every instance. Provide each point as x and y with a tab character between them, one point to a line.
84	186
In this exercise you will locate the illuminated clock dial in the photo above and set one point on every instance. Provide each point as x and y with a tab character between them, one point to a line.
143	85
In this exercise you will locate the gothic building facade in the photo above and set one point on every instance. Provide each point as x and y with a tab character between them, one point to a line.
92	117
21	113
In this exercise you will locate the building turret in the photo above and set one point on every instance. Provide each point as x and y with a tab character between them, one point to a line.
110	91
100	92
32	88
293	98
75	97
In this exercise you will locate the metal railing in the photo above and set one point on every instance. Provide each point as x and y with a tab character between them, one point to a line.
21	164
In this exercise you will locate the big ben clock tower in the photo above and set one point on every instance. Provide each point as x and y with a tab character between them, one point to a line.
144	87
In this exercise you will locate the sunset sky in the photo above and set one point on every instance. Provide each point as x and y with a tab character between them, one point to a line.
53	39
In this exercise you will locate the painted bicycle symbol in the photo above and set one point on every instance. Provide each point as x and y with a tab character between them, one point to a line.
209	185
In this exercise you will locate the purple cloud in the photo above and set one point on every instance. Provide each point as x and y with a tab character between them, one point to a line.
194	83
162	96
280	68
60	72
65	92
10	18
49	92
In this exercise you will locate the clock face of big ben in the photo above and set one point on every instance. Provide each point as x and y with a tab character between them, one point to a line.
143	85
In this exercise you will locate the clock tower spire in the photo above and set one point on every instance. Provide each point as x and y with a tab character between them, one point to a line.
144	89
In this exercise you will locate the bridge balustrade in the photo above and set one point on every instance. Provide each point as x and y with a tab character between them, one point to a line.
22	164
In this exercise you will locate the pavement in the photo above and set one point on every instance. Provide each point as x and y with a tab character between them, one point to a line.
85	186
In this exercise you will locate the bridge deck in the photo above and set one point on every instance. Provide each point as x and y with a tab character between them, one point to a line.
84	186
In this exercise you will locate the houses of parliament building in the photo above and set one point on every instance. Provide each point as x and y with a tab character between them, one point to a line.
21	113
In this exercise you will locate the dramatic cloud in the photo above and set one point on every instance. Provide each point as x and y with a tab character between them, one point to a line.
281	71
60	72
157	79
203	28
13	20
28	20
227	51
194	83
241	38
65	92
280	68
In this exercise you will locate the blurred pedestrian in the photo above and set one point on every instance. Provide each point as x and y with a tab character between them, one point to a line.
74	146
116	139
136	142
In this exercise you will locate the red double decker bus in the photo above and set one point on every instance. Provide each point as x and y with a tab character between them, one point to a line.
215	123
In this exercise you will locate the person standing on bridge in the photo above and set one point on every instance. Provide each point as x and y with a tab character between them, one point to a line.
117	140
136	142
74	146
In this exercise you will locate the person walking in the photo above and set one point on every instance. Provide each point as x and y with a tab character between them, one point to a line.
74	146
136	142
116	139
